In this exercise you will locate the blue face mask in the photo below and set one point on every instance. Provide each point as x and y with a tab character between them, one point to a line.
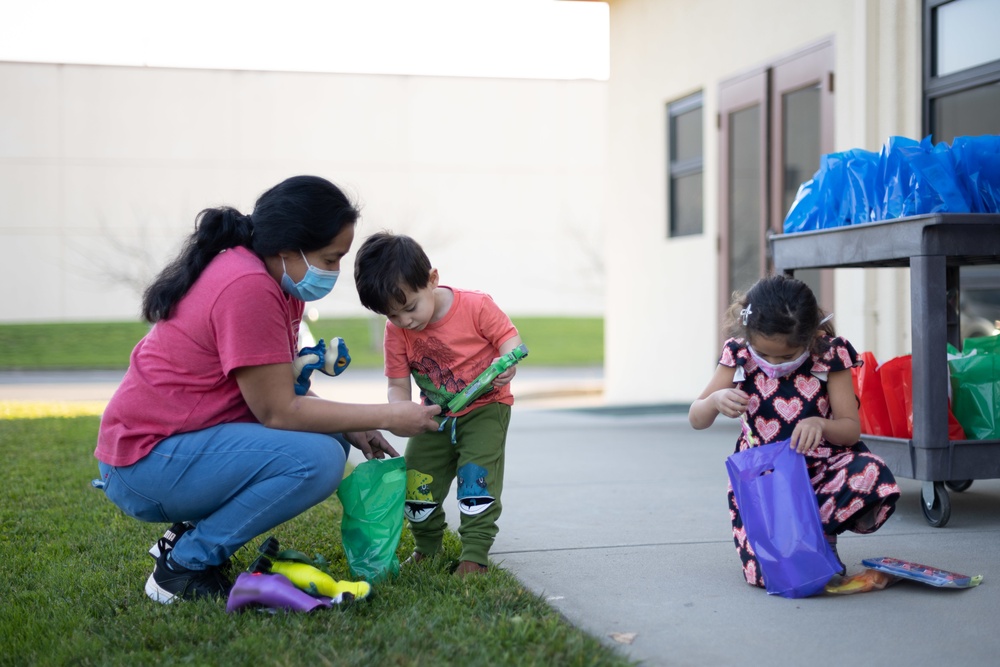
316	284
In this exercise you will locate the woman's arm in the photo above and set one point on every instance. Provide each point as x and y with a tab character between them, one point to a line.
719	397
269	391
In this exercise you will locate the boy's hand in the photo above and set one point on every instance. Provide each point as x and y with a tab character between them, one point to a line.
505	377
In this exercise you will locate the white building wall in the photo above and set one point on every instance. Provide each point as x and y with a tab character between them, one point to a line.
661	324
103	170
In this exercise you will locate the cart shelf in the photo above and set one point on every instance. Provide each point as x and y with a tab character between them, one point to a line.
933	247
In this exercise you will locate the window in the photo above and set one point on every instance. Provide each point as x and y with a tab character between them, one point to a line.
961	68
961	98
684	171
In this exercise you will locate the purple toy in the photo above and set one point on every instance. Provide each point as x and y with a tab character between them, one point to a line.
272	591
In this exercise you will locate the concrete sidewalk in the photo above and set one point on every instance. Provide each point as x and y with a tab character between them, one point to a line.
618	518
537	388
620	521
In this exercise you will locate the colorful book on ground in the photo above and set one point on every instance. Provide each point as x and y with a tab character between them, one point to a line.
923	573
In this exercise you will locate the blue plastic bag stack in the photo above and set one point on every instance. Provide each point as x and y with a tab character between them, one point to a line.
907	177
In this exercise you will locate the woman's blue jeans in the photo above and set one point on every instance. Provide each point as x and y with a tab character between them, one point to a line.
233	481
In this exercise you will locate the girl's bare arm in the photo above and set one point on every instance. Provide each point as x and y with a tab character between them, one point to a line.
719	397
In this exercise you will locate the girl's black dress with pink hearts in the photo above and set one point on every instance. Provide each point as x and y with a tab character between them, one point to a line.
854	488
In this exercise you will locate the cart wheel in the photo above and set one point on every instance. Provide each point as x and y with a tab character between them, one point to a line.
959	486
935	503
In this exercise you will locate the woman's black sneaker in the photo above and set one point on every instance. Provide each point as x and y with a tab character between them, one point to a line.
169	582
169	539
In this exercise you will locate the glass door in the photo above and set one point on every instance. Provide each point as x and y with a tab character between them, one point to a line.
743	191
801	131
774	125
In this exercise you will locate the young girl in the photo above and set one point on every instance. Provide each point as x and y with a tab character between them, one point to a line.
787	376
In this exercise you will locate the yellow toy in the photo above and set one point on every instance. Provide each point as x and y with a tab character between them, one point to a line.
316	582
305	576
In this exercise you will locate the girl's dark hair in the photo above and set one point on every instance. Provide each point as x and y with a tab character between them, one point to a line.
384	265
779	305
300	213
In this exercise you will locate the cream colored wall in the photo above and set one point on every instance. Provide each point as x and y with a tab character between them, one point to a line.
103	169
661	324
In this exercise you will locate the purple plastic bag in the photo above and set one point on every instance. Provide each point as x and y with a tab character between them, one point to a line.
781	517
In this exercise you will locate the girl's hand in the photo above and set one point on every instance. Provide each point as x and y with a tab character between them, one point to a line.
730	402
808	434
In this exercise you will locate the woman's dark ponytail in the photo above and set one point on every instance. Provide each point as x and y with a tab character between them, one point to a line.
301	213
216	230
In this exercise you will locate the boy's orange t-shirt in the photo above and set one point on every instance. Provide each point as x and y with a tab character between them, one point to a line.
450	353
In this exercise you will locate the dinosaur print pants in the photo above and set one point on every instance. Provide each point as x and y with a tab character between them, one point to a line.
476	461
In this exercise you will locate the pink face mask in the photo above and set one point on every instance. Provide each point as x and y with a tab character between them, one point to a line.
778	370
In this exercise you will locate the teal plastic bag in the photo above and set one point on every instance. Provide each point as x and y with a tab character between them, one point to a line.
372	496
975	387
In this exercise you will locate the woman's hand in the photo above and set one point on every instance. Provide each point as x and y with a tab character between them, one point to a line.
730	402
269	391
413	418
808	434
371	443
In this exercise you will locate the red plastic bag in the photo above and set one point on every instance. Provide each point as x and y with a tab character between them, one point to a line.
868	386
897	376
897	380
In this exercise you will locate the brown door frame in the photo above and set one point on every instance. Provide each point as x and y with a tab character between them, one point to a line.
810	67
736	94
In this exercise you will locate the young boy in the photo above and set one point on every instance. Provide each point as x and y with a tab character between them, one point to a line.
444	337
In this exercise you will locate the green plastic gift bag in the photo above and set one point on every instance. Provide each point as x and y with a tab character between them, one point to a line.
372	496
975	372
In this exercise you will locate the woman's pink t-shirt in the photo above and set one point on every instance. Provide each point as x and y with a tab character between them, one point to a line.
180	374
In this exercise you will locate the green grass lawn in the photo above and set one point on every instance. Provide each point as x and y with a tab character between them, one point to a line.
552	341
73	570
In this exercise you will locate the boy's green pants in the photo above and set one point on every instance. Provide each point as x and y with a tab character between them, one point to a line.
476	459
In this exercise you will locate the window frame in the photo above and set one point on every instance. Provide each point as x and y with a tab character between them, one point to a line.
986	277
935	86
737	94
681	168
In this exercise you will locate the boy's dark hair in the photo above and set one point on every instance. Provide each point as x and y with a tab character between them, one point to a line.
385	265
779	305
300	213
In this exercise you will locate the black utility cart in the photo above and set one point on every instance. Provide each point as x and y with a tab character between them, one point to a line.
934	247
